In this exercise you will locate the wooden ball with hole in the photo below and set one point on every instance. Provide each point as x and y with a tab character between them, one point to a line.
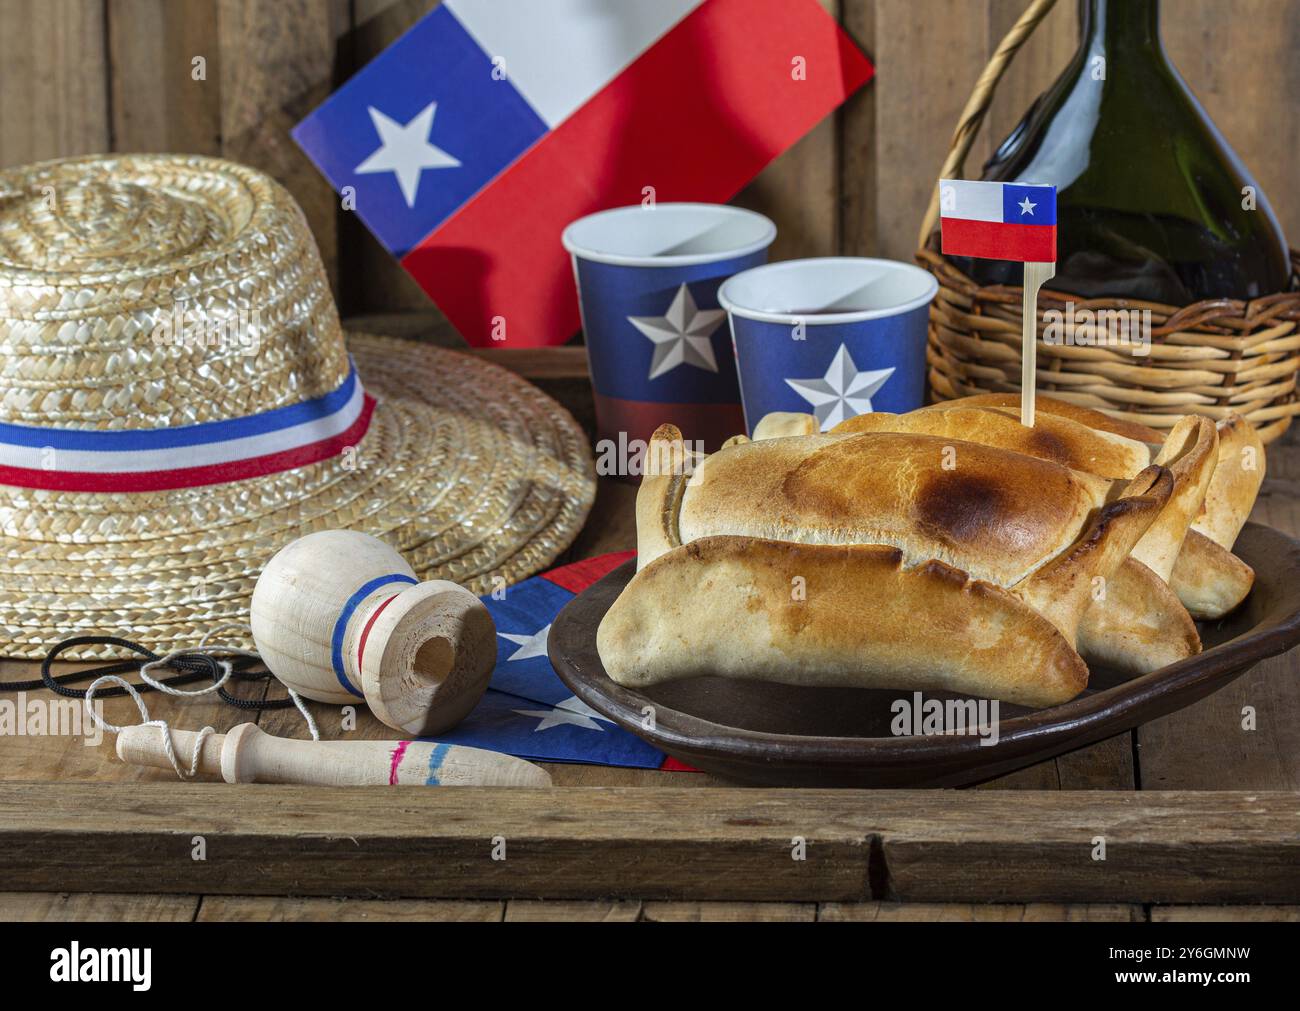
338	616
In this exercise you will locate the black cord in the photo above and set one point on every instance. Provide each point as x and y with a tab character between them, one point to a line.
192	667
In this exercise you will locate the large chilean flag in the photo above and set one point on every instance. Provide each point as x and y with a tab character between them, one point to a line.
470	142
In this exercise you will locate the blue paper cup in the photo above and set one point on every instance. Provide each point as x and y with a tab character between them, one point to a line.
657	340
833	337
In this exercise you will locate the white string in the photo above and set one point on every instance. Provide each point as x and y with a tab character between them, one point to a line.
215	651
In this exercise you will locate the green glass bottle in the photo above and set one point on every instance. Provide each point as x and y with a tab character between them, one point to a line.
1152	203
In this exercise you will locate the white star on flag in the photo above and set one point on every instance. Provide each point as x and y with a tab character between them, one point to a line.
843	392
529	645
571	712
405	150
1026	207
681	335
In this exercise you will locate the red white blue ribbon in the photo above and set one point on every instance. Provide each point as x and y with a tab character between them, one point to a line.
187	456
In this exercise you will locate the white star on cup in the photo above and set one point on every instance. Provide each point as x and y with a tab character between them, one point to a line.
681	336
405	150
843	392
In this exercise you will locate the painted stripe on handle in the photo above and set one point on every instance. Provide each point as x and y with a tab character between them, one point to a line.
398	753
436	757
365	632
341	625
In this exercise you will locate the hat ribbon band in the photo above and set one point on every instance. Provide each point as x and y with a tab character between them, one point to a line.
187	456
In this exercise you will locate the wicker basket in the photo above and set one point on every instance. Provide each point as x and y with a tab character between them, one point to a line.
1213	357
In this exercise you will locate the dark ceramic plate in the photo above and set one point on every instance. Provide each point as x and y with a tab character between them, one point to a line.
780	735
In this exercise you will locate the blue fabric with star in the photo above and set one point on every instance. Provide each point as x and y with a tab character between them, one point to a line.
1024	204
480	120
527	711
631	361
833	370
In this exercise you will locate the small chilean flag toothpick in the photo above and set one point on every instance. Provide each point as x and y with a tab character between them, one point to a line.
1006	221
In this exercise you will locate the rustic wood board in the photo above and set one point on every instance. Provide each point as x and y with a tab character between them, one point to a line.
910	846
1033	912
53	80
1221	914
115	907
594	911
84	907
276	909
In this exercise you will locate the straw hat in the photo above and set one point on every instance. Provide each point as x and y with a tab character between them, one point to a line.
177	402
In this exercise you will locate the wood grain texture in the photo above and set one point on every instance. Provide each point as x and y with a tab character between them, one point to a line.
857	155
160	100
1041	846
103	907
973	846
729	912
278	62
1225	914
1242	60
274	909
88	907
53	80
596	911
266	65
928	57
435	843
1034	912
1106	765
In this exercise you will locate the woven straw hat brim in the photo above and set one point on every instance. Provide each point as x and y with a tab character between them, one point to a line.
470	472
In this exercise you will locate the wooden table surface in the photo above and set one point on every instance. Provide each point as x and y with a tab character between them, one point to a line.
1202	748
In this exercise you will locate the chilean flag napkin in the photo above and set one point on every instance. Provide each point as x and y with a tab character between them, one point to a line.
998	221
470	142
527	711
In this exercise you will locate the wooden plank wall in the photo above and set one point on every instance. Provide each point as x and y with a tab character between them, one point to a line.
93	75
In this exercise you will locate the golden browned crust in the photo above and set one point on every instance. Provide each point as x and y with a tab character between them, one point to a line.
1050	405
1055	439
659	498
1136	624
995	514
1190	453
1063	589
784	424
1235	483
1208	578
818	614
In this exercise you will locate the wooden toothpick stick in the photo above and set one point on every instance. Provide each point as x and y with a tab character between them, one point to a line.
1035	276
1006	221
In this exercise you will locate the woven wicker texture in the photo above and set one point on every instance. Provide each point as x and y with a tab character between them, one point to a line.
1212	357
469	471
